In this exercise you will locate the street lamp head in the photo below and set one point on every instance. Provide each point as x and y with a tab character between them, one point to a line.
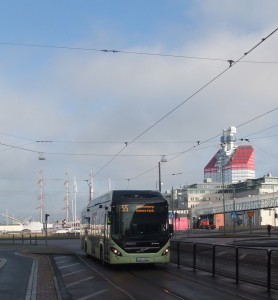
163	158
41	156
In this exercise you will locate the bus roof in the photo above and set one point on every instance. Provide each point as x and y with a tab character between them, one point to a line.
120	195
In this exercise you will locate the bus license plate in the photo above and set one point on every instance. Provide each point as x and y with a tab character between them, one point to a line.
142	259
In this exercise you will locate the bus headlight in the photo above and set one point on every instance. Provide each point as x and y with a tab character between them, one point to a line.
115	251
166	251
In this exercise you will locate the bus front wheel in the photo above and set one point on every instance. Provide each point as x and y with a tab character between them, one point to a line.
101	256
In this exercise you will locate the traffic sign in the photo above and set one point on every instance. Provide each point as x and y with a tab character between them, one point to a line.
250	214
171	215
233	215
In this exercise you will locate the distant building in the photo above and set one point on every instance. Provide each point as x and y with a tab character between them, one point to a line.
266	184
231	163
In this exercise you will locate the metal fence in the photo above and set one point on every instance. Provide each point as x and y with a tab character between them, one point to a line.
34	238
31	239
252	265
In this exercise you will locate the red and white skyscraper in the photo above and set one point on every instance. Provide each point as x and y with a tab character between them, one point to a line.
234	163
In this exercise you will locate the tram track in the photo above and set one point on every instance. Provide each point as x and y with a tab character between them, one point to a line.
213	286
228	293
136	281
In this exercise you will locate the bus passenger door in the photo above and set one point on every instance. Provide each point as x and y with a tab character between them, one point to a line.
107	222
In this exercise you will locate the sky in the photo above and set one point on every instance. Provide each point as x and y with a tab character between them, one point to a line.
109	87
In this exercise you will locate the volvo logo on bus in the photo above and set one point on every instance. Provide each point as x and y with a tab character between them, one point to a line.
143	250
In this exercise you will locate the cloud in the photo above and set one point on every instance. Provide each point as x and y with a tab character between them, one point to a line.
88	104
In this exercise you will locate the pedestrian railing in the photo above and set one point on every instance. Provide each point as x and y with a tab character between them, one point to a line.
31	239
253	265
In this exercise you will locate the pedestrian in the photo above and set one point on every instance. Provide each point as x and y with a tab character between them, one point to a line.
268	229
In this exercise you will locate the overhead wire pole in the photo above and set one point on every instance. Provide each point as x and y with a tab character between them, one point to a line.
41	197
67	197
74	202
91	186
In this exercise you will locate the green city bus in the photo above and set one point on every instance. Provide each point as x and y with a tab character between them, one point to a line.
127	227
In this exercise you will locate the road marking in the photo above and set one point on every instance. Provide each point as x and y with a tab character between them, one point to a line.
63	261
107	279
67	266
2	262
64	275
60	257
93	295
32	284
242	255
221	253
79	281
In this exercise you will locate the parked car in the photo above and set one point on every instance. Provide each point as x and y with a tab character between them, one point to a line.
62	231
74	230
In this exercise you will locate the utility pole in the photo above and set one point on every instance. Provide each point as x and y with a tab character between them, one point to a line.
223	179
91	186
74	202
67	197
41	197
46	217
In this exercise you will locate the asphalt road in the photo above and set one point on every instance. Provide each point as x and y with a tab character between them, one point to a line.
14	275
80	277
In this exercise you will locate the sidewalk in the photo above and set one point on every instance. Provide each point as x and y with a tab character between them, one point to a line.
47	287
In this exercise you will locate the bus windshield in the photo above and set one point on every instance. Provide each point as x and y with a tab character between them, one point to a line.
133	221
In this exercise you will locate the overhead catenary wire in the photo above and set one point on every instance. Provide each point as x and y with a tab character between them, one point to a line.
199	143
114	51
194	147
232	63
203	87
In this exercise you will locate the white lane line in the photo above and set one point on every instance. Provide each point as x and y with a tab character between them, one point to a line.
107	279
2	262
93	295
72	273
67	266
242	256
63	261
32	284
221	253
79	281
60	257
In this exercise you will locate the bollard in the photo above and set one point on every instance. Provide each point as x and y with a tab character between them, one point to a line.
213	260
178	249
269	270
237	266
194	257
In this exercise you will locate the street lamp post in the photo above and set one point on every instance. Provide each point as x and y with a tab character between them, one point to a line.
159	177
163	159
46	218
224	217
222	178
